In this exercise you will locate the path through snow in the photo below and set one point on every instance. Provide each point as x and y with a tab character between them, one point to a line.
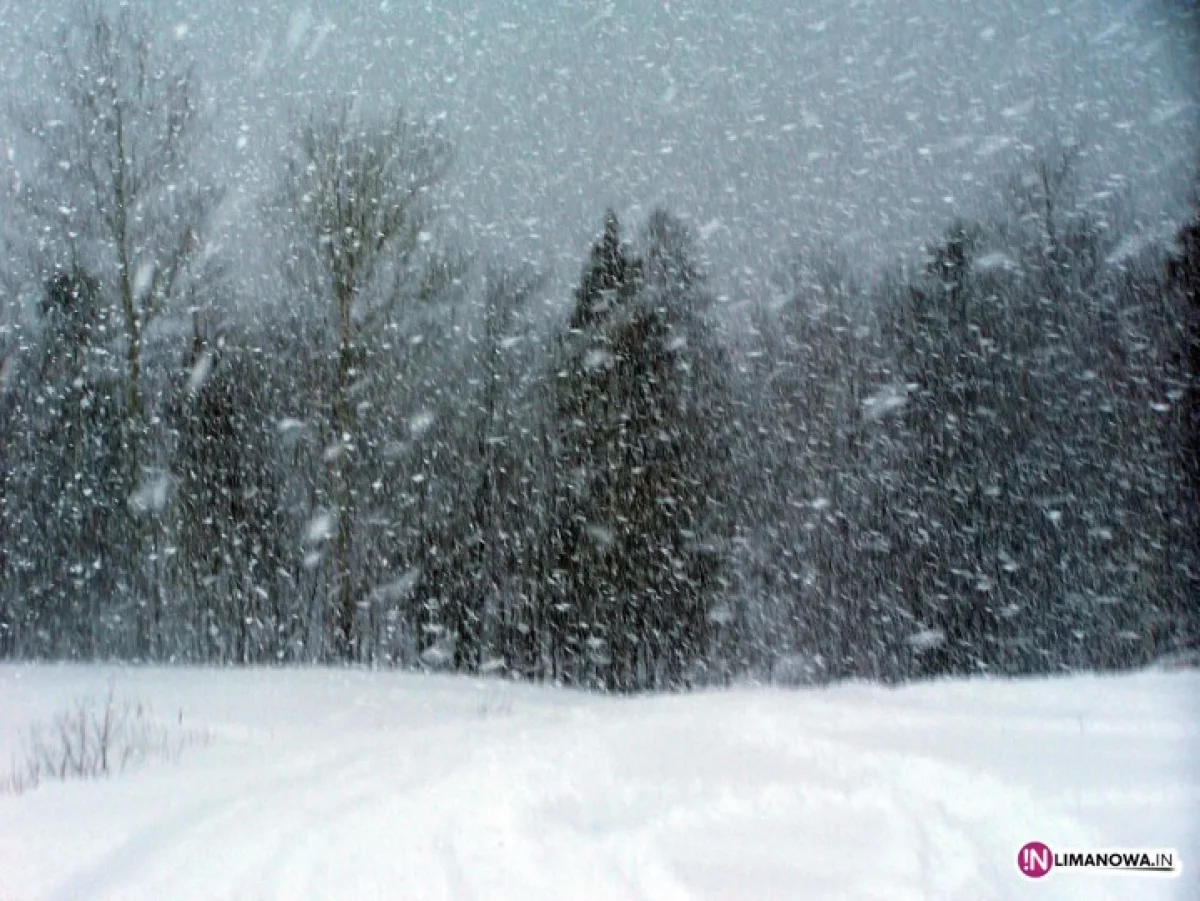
346	784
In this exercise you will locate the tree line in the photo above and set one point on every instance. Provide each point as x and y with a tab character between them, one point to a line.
383	453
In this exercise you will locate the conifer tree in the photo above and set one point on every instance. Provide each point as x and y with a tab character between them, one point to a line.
637	563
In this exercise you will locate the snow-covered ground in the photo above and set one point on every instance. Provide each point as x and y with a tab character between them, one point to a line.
330	784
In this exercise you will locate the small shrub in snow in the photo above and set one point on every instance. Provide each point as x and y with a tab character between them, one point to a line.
95	739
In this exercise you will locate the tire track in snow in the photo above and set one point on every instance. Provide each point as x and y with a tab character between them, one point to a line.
970	823
168	842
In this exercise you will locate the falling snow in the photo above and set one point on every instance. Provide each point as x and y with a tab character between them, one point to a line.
618	347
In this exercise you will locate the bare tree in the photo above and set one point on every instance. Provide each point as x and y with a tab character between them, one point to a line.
111	186
1061	236
357	208
104	185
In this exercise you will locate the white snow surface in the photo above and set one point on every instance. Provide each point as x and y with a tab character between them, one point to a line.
329	784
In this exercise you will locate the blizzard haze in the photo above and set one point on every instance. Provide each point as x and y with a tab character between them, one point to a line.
864	125
756	460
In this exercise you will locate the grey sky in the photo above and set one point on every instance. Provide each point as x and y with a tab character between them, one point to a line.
863	123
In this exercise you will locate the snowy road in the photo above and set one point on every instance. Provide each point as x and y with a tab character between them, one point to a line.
344	784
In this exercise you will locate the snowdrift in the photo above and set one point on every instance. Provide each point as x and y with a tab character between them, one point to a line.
329	784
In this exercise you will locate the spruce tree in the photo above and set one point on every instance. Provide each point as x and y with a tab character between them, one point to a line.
1183	274
586	618
228	519
68	509
637	561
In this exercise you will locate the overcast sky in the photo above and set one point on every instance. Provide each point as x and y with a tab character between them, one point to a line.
862	123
